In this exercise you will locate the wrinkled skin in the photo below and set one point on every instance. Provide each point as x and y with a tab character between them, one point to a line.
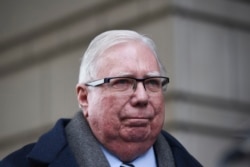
126	124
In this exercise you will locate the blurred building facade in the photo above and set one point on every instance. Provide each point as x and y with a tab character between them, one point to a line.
204	45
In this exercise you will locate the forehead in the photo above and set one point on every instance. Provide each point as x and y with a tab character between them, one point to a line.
132	58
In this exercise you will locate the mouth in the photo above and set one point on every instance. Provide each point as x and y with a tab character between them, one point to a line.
136	122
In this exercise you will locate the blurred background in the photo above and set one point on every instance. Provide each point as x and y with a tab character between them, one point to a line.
205	46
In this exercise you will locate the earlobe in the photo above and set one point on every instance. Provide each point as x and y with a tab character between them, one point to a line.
82	97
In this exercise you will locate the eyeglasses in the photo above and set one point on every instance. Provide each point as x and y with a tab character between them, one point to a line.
125	84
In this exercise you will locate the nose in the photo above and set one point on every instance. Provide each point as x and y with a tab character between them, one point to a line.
140	96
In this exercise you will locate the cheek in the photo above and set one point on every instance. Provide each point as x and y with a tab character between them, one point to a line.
104	112
159	108
108	106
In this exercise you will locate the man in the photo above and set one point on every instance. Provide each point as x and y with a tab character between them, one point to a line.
120	93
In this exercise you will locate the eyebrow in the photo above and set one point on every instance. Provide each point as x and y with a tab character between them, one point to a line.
152	74
127	74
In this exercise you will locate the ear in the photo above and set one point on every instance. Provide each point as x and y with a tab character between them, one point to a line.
82	97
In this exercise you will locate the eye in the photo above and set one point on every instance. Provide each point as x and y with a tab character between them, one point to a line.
153	84
121	83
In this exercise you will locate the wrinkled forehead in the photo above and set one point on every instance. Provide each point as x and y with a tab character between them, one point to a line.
128	59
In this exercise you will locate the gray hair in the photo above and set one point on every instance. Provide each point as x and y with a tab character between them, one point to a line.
103	42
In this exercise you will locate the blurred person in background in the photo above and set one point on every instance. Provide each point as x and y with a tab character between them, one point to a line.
121	95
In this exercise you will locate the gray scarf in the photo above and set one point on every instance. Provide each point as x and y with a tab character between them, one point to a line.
87	150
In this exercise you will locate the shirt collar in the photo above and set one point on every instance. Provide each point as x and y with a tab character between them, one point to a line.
146	158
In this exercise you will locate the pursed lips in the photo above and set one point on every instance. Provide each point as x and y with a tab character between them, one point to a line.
136	122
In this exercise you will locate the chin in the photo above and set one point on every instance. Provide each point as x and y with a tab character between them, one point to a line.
136	135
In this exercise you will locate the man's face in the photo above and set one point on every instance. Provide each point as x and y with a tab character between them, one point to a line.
117	117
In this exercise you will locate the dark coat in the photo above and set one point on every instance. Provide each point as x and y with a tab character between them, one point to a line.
53	150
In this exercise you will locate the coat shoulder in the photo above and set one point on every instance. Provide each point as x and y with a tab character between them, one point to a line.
18	158
44	151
